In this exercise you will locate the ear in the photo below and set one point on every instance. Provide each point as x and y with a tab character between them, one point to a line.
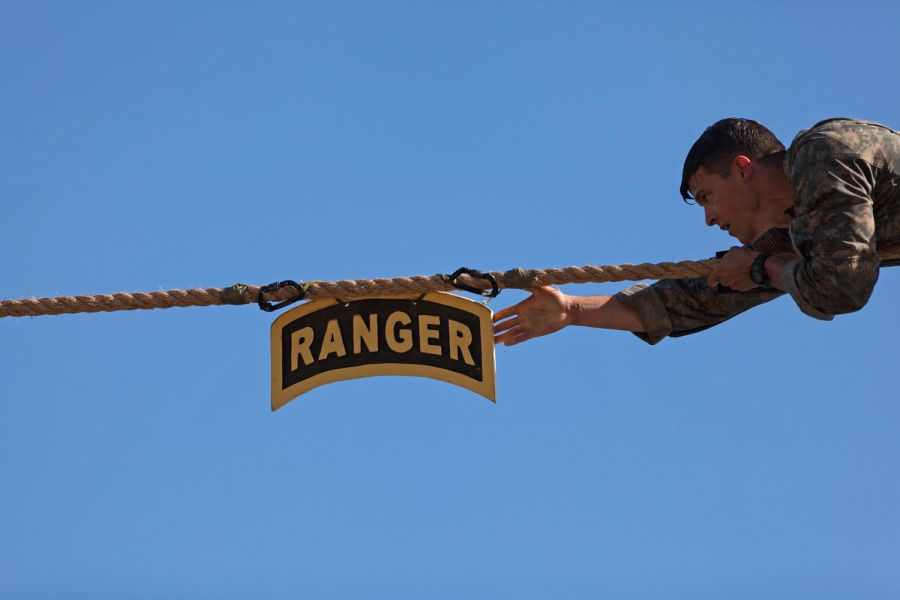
743	166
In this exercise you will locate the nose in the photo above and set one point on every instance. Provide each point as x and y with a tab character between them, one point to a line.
710	214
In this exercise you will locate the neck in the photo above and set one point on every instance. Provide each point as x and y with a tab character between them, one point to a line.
774	193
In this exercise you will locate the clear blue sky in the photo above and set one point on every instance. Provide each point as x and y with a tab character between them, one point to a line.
195	144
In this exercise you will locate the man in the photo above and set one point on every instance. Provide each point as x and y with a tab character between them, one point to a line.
812	218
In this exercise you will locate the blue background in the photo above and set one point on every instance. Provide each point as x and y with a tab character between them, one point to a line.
170	145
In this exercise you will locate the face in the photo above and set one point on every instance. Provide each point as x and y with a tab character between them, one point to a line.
727	202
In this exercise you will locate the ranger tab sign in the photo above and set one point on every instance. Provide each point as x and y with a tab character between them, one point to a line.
438	335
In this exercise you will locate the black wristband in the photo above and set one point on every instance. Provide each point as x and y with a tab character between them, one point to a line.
758	272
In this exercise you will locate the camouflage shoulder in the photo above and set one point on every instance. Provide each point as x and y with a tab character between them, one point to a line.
842	138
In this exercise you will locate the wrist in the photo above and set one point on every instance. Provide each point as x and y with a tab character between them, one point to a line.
573	309
775	267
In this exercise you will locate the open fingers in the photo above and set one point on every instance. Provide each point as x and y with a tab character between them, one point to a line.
517	308
517	339
506	312
508	324
508	336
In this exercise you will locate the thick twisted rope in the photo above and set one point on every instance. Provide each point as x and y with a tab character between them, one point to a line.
349	289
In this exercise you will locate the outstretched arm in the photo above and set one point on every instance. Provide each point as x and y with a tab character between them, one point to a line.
671	307
548	310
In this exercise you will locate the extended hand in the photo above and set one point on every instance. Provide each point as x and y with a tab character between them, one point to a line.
545	311
733	270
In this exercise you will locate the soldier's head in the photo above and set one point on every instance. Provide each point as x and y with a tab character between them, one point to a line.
719	174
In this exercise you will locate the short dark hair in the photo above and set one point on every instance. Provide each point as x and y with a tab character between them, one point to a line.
716	148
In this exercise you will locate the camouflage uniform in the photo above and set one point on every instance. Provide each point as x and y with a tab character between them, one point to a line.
845	185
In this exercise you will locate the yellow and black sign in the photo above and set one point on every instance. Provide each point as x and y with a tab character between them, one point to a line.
441	336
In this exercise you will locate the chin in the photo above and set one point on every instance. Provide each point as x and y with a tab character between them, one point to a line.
741	238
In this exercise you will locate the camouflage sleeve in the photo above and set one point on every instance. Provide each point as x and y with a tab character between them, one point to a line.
677	307
833	230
